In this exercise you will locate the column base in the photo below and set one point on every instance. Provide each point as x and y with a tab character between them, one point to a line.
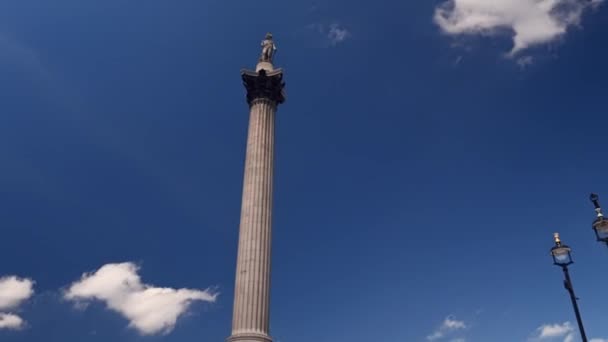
249	337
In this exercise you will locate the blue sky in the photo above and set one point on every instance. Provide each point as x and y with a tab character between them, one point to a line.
425	155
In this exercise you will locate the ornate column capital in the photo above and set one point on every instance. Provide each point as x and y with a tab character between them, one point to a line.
264	85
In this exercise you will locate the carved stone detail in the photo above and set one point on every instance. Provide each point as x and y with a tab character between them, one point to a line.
264	85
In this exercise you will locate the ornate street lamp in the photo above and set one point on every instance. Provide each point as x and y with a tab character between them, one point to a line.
562	257
600	224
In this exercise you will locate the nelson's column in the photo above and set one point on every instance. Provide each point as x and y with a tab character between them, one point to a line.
250	320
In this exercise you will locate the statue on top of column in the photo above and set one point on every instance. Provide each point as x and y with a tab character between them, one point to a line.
268	49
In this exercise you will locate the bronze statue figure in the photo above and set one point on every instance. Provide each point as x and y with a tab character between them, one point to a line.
268	49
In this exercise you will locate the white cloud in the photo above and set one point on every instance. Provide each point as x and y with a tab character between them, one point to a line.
554	330
334	33
525	61
452	324
13	292
10	321
448	325
532	22
149	309
337	34
569	337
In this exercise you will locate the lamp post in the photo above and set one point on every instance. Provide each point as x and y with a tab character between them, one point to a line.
600	224
563	258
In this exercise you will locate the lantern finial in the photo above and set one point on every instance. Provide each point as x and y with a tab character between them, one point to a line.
558	241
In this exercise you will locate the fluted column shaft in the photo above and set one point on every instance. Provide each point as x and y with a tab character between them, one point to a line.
250	320
252	289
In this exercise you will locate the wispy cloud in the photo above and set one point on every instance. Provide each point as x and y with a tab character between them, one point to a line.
334	33
13	292
10	321
150	310
525	61
553	331
337	34
448	326
559	331
532	22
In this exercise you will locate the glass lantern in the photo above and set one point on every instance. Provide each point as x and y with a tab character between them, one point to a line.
561	253
600	226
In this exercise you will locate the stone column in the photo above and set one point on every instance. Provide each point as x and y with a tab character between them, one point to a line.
250	322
